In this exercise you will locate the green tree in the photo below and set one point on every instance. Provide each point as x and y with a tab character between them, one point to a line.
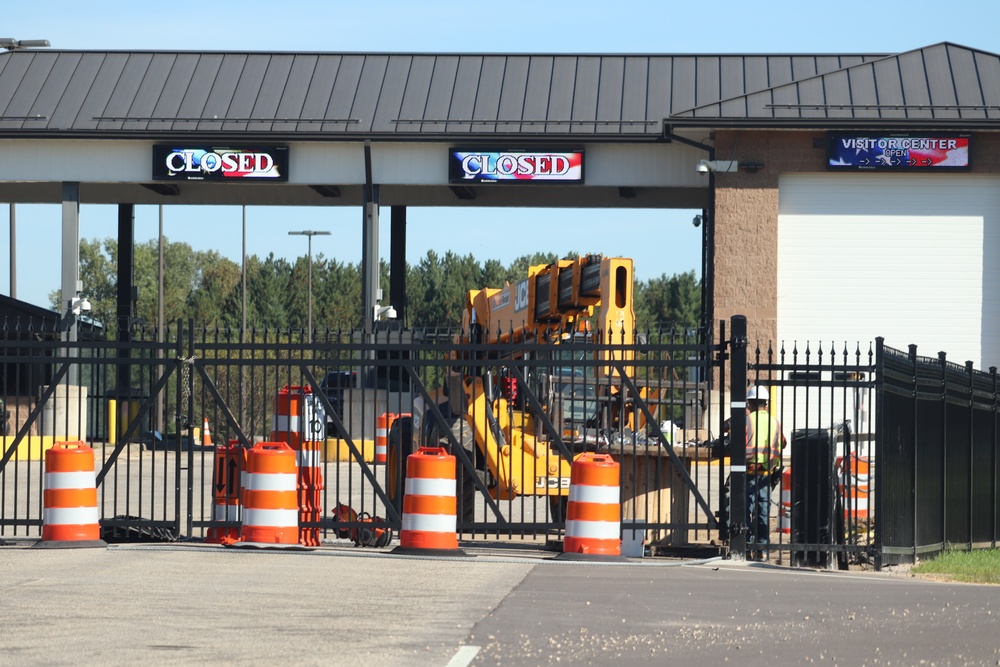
518	268
180	279
495	274
216	299
208	288
436	299
336	294
669	301
297	296
268	284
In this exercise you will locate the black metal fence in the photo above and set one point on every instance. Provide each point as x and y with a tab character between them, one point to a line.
939	445
889	456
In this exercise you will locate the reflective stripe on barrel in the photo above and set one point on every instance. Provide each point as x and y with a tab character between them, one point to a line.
593	511
785	509
855	493
382	436
429	501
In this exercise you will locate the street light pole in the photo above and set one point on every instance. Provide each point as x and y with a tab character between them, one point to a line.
310	233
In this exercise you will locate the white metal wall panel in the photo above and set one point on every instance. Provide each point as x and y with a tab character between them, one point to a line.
339	163
41	160
913	258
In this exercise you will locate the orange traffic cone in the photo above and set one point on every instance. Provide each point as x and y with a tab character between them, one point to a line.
206	435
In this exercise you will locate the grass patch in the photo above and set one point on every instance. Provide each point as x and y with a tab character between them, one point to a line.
981	566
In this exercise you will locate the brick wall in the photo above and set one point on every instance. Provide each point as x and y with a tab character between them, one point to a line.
746	222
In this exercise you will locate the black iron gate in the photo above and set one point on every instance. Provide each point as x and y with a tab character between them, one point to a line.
157	472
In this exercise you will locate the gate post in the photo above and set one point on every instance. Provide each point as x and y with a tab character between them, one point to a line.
877	454
737	439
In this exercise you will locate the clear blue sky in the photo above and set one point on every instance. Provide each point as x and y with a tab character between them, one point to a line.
661	241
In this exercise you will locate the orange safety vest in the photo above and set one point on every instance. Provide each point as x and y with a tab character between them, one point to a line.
764	441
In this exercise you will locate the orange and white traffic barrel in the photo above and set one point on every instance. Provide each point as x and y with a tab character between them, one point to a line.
593	511
382	423
785	509
298	417
855	493
430	522
270	499
71	517
227	487
299	421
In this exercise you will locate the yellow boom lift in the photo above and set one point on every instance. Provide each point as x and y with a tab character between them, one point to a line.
538	386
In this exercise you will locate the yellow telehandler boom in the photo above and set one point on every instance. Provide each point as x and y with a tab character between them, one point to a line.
547	391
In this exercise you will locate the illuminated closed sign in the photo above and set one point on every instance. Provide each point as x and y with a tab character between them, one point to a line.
172	162
897	152
514	166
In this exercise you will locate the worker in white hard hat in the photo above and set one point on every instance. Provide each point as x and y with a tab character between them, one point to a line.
765	441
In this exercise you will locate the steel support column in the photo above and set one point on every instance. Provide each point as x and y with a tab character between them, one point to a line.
13	250
70	268
126	292
369	241
397	262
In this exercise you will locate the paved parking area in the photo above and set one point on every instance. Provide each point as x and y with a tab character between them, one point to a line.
194	604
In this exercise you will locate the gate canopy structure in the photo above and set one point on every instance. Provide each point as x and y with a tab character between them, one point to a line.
411	108
370	130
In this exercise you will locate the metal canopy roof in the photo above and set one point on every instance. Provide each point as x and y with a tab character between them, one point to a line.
321	96
941	85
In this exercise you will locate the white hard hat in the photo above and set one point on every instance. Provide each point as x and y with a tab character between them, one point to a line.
757	393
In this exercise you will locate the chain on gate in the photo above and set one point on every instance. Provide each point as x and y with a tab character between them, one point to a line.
184	420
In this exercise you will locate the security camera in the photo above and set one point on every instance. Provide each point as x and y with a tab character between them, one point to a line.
390	314
79	305
703	167
697	220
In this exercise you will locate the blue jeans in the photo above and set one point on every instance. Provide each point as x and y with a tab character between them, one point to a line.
758	509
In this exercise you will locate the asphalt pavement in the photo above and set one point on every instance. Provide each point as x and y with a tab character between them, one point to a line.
193	604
